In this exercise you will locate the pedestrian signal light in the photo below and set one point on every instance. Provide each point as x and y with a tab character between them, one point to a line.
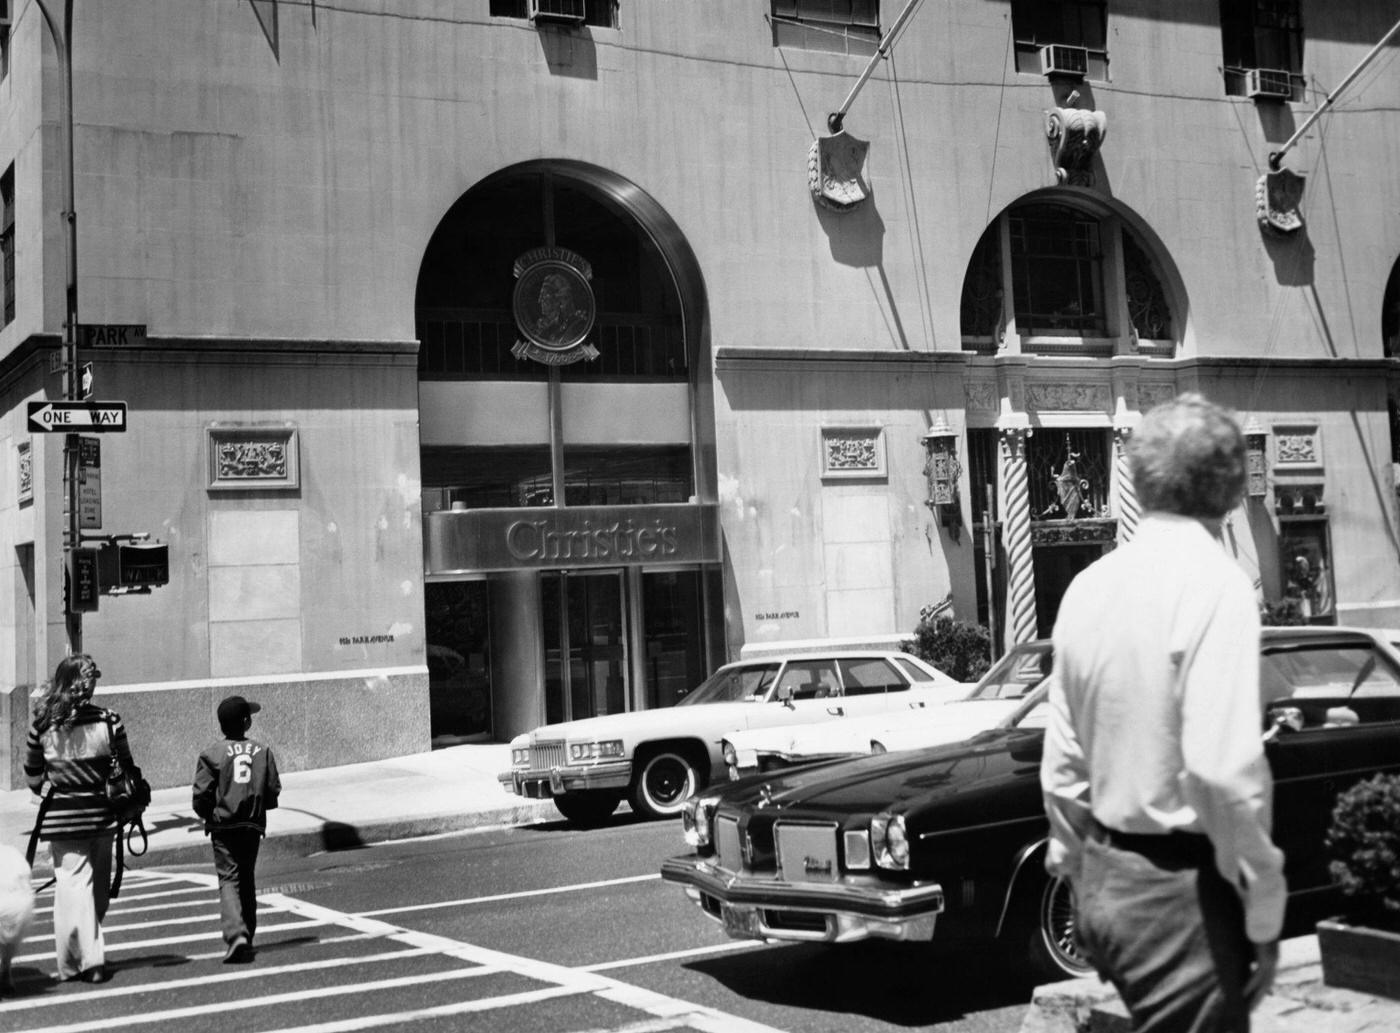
128	567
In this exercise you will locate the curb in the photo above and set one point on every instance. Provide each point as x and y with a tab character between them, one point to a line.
334	835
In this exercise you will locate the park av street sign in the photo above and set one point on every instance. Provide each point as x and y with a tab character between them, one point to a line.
93	417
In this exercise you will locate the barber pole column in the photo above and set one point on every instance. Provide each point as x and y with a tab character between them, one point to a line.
1129	508
1016	536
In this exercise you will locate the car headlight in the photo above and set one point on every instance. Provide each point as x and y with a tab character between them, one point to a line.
889	841
520	756
697	820
581	751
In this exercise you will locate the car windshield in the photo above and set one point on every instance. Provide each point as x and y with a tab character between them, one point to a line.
733	684
1031	713
1016	673
1326	670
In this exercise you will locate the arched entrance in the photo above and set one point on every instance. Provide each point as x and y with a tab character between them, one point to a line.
571	536
1068	276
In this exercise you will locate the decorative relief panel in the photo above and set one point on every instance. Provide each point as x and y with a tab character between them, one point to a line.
1063	397
1297	447
849	452
24	469
1153	395
982	396
253	458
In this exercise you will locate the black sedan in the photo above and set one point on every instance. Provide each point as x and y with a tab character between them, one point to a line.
950	841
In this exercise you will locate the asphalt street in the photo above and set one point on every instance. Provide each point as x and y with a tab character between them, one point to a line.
541	928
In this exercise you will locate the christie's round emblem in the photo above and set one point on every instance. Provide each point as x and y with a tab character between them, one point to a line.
554	305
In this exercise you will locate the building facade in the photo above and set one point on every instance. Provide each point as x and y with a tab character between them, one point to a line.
504	361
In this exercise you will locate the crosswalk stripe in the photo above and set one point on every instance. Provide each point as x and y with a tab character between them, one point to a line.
166	941
303	994
118	905
518	895
262	971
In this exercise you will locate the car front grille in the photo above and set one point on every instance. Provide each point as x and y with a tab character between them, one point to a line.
807	851
546	755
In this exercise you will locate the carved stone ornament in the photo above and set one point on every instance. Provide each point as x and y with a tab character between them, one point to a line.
1277	197
1075	136
982	396
252	458
554	306
852	452
1067	397
834	167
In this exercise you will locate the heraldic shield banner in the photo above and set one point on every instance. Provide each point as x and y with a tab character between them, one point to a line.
834	167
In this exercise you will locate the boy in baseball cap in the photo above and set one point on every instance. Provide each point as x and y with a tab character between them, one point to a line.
235	785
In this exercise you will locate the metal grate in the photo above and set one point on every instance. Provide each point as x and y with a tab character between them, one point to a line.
1068	473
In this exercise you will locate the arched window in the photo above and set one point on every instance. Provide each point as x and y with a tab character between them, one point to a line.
1055	278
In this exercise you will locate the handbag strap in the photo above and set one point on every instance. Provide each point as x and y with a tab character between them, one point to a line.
44	803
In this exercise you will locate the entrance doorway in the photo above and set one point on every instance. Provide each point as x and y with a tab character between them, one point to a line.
1055	567
585	644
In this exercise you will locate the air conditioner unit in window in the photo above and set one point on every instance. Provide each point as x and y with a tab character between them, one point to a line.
556	12
1268	82
1058	59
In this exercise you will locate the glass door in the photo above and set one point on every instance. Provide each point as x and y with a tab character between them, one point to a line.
585	644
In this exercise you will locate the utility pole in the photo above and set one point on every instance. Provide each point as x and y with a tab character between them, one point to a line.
72	376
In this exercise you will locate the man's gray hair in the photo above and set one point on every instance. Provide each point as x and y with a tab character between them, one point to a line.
1188	458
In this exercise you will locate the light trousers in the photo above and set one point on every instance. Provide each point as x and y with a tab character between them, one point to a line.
82	870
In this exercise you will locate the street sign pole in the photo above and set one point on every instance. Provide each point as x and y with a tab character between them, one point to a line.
72	383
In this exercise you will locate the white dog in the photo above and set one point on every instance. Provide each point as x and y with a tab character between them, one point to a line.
16	908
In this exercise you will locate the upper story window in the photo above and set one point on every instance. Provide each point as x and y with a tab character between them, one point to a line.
1083	24
836	26
4	38
1072	282
7	242
602	13
1262	36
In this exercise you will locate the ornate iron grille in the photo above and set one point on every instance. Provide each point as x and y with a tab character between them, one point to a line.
981	471
1147	302
1068	472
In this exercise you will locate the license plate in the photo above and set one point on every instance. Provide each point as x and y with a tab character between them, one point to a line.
556	782
740	922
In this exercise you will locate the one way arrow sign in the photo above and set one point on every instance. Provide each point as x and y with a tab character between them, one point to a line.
93	417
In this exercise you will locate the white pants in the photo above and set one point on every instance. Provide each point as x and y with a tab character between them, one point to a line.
82	871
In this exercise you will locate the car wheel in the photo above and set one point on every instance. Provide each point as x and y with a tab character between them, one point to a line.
663	783
1053	954
588	807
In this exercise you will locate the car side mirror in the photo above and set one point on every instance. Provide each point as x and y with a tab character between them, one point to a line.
1284	719
785	695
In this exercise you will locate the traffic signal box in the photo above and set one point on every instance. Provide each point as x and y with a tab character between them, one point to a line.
125	567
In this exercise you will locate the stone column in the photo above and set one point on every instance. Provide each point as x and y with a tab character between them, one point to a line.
1129	508
1016	536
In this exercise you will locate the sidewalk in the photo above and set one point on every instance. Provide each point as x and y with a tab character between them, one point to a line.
446	790
1299	1003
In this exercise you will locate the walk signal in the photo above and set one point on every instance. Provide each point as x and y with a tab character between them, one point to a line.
125	567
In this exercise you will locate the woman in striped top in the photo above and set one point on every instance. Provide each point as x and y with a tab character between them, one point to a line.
68	754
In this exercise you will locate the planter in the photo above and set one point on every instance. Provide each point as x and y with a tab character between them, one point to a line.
1359	957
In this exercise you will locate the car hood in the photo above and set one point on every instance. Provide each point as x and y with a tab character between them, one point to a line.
939	723
898	781
701	719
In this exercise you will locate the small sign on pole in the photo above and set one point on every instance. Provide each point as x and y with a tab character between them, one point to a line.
83	586
89	483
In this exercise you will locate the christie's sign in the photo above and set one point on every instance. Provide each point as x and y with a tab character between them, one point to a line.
476	540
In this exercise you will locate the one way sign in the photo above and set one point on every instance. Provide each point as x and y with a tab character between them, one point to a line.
93	417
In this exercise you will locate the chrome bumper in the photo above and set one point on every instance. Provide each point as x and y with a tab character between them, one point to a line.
770	908
541	785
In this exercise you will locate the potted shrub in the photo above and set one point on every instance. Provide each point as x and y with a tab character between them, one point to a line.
1361	948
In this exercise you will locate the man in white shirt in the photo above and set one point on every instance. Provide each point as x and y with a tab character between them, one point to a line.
1154	775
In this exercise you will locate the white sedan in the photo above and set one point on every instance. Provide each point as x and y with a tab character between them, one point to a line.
995	696
660	758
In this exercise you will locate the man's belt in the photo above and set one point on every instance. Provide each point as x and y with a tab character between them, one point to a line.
1169	849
